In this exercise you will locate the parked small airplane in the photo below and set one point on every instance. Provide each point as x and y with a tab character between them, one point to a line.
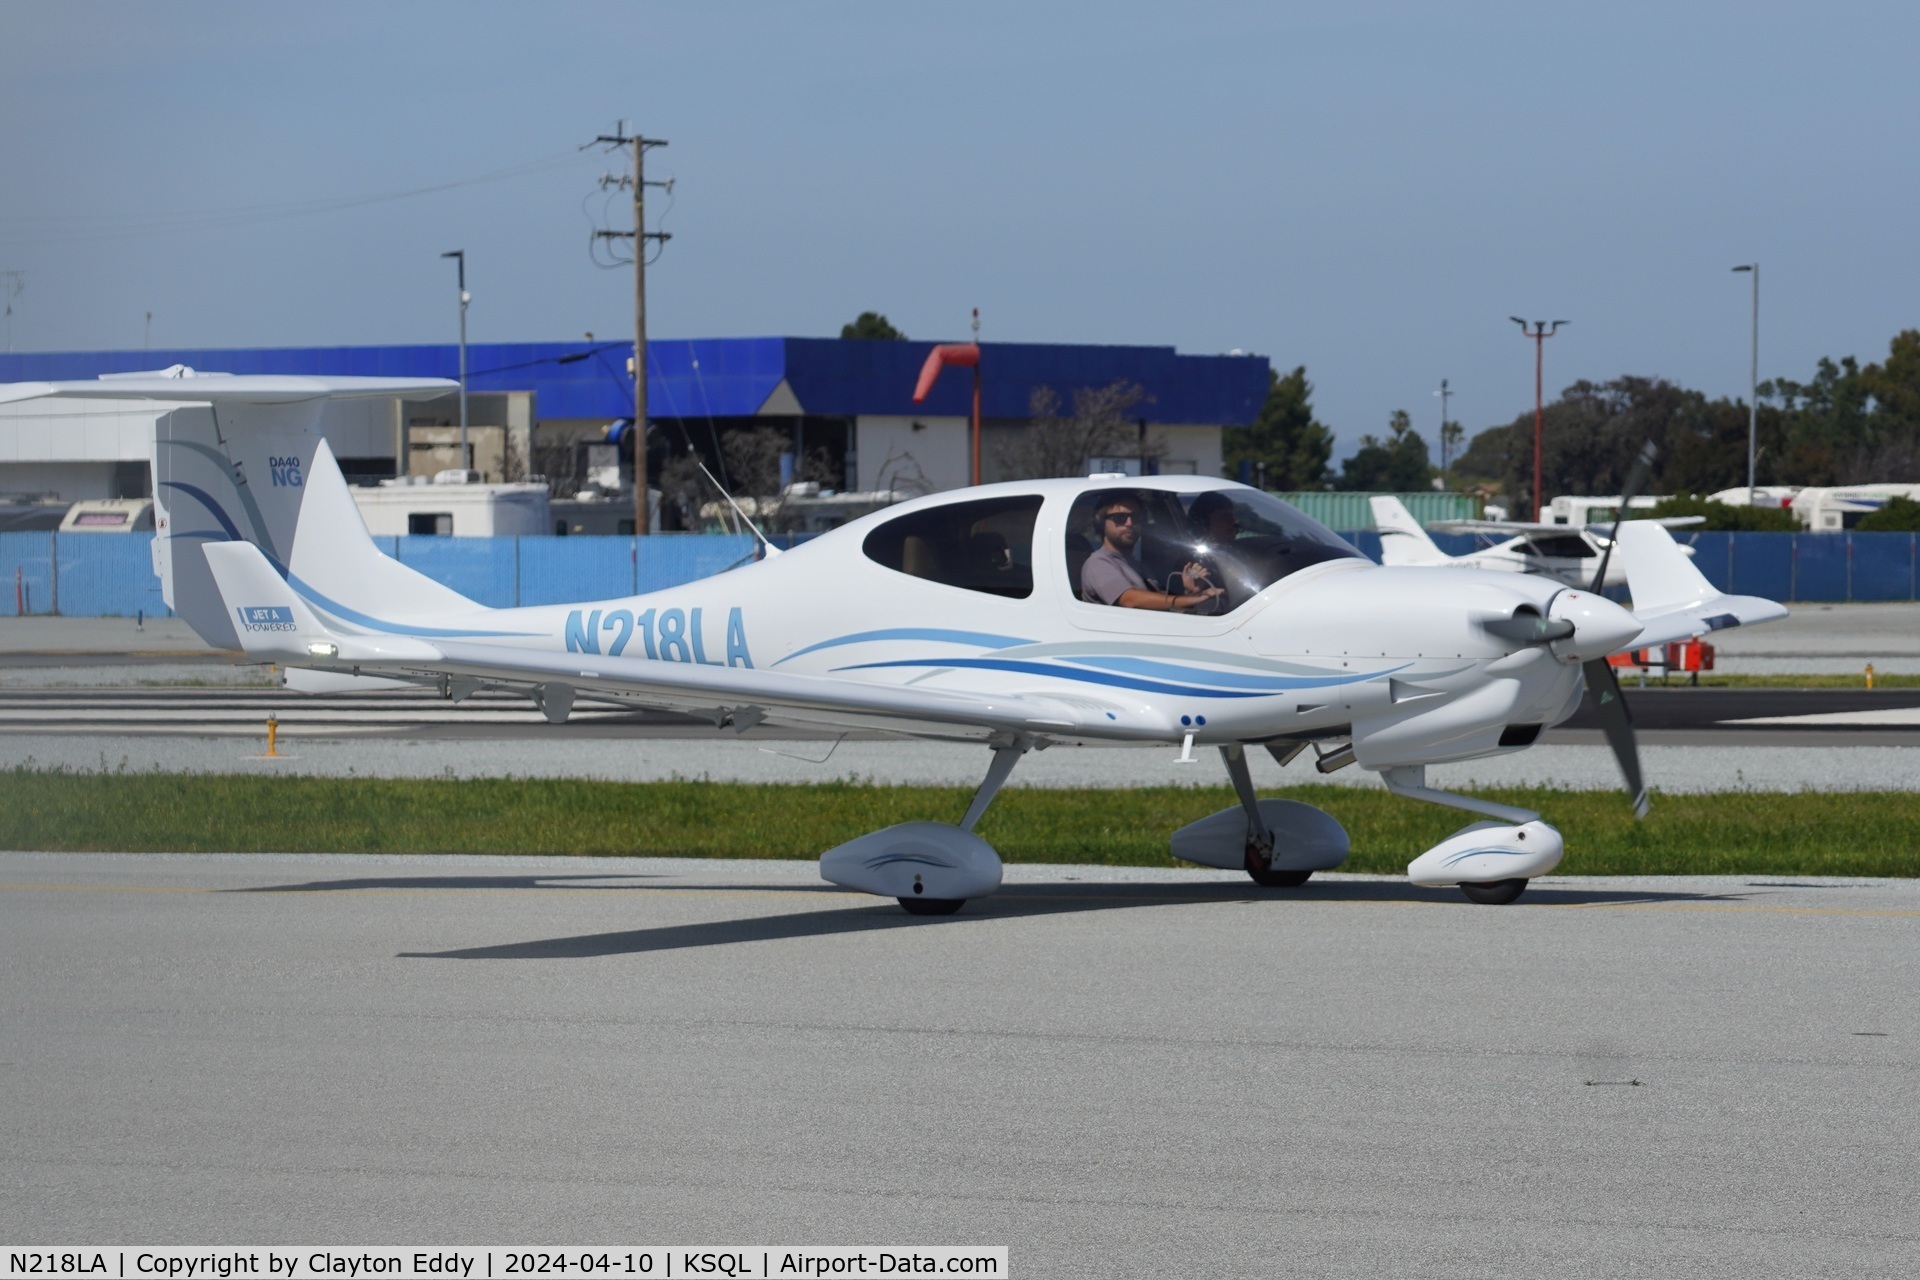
1565	553
1163	613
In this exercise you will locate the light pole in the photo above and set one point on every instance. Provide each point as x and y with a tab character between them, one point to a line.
1541	331
1753	388
460	257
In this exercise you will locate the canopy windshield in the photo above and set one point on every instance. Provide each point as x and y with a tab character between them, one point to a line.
1241	540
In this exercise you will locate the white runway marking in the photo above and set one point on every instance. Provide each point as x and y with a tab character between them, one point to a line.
1872	717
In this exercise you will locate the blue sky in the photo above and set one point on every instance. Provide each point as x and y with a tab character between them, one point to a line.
1369	189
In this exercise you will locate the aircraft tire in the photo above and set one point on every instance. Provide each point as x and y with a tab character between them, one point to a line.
1267	878
1494	893
932	906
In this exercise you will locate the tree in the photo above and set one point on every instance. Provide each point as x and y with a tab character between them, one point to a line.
1897	515
1056	444
1398	464
1285	444
872	326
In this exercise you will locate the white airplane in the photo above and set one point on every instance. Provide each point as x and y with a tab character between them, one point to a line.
957	616
1565	553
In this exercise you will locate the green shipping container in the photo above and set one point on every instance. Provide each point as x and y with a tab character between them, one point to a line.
1349	511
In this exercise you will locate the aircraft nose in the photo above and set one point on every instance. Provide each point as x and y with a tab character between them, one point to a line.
1600	626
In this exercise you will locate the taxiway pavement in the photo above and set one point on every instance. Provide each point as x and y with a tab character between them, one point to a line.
1114	1072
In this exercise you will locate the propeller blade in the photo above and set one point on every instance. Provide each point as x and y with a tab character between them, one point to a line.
1636	481
1615	720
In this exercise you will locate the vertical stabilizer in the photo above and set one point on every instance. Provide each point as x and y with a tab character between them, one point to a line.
226	472
231	463
337	569
1402	540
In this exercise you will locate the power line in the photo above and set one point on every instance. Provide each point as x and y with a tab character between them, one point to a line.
69	228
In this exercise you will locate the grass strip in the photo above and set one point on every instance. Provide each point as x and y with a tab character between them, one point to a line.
1744	833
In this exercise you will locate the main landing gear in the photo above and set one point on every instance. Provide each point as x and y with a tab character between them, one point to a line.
932	868
1278	843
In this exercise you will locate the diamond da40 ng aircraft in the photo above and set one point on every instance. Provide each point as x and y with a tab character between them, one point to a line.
959	616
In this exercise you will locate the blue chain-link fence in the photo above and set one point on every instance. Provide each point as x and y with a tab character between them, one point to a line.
93	575
111	575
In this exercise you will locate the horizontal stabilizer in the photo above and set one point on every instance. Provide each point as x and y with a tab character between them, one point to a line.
180	384
1513	528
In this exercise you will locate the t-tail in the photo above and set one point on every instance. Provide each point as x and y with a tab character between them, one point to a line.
241	458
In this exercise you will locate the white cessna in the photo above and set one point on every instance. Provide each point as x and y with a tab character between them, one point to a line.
958	616
1566	553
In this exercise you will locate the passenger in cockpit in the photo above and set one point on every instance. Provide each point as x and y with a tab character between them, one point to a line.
1110	575
1213	517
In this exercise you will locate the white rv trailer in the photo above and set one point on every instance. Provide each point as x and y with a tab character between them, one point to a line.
1838	507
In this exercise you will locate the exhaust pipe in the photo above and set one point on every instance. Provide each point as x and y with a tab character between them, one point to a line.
1335	760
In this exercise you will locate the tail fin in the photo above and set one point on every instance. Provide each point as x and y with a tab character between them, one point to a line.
231	459
245	466
1402	540
1672	597
333	561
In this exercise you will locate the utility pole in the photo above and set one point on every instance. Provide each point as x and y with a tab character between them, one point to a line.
976	397
642	517
13	282
1540	333
1753	390
460	256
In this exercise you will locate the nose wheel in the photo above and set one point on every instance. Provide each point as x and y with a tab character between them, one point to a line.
1493	893
932	906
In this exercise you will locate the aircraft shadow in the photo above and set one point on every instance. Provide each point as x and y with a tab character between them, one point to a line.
864	915
453	882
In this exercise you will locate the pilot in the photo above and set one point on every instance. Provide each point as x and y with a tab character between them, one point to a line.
1213	515
1110	575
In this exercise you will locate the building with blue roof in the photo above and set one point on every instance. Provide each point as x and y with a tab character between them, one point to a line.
844	407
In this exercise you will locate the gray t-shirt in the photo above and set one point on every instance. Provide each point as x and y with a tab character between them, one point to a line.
1107	574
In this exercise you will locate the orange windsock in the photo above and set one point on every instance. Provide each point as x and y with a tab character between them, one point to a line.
965	354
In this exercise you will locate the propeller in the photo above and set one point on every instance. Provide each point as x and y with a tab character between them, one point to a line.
1604	686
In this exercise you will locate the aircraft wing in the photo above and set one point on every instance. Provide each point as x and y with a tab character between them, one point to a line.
217	387
1513	528
277	626
1672	599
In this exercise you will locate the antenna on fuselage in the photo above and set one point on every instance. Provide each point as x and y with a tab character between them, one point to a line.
765	542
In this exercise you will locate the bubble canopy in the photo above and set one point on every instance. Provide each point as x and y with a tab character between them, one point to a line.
1241	540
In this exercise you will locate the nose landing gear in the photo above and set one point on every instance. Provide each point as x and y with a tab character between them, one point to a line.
1493	893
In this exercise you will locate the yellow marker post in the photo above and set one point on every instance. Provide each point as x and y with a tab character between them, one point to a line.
1869	675
273	732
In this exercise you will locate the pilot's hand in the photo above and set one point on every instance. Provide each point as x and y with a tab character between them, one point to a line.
1196	577
1198	598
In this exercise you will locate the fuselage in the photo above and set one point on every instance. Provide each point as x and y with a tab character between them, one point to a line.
983	590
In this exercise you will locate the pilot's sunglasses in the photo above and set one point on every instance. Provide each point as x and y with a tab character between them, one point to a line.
1121	517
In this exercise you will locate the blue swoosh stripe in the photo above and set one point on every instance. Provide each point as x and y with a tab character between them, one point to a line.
219	513
1061	673
372	623
312	596
985	639
1231	679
